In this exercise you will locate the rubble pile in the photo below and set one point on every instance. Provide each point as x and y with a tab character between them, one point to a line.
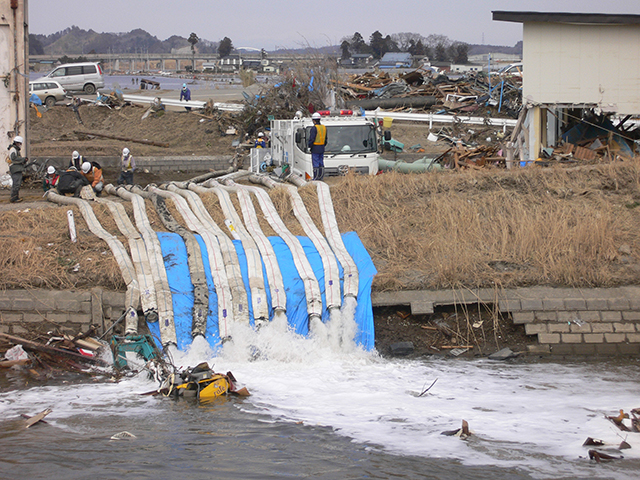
495	95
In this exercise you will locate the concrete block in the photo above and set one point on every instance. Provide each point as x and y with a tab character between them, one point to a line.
535	328
618	304
509	305
611	316
582	328
81	318
58	317
597	304
113	299
575	304
11	317
539	349
549	338
422	307
594	337
562	349
624	327
629	348
552	304
85	307
522	317
633	337
532	304
631	316
546	316
32	317
19	330
571	338
599	327
70	305
608	349
615	337
6	303
589	315
585	349
5	328
634	303
568	316
31	304
558	327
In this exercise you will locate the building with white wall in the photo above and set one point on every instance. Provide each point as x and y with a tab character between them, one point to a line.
576	60
14	75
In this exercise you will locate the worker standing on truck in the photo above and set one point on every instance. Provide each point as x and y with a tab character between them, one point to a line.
186	94
317	141
261	142
127	167
16	167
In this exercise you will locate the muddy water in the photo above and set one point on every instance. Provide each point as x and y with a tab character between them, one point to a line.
315	413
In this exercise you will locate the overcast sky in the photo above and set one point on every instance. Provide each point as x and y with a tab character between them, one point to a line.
273	24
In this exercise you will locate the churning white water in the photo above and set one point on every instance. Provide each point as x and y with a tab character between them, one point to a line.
530	416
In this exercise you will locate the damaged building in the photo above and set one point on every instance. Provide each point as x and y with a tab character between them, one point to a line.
581	89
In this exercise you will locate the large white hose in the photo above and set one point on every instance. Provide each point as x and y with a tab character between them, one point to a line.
254	263
309	280
350	271
229	255
139	257
216	264
160	280
329	262
119	252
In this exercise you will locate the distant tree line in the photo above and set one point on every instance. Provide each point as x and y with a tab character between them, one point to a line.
436	47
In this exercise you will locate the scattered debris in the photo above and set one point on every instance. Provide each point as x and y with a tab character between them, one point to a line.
428	388
600	457
200	383
37	418
463	432
504	354
123	436
401	349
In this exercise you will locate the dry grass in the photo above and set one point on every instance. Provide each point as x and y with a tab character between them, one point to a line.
553	227
575	227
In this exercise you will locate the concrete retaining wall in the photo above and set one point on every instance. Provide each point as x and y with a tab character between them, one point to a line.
22	311
566	321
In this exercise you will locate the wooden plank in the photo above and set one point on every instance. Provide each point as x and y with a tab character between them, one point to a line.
36	418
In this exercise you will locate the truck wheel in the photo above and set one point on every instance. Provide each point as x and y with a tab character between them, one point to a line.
89	89
50	101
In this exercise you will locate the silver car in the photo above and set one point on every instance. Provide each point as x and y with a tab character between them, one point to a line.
80	77
48	91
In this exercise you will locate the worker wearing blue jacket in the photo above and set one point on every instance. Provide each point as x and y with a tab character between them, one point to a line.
185	94
317	142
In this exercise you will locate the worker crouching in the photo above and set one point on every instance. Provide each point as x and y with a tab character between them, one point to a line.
92	171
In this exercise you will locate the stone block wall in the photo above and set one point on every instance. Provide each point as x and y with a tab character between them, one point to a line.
22	311
566	321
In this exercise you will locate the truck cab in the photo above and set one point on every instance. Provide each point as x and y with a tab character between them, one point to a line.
352	145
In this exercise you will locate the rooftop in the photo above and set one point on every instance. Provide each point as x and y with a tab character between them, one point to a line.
565	17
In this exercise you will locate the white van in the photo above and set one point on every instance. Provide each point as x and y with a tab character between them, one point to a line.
85	77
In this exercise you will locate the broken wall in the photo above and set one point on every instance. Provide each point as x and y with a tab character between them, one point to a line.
14	74
582	64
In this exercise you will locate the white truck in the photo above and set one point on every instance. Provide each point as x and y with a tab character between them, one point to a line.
352	145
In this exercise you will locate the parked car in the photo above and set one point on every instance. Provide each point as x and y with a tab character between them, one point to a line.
80	77
48	91
513	69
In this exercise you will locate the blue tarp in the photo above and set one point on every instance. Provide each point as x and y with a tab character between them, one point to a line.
175	257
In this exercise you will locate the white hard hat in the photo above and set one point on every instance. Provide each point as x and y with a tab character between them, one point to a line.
184	85
75	154
298	114
51	170
86	166
316	116
125	151
18	139
261	134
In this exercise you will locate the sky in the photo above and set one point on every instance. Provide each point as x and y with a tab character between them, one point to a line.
272	24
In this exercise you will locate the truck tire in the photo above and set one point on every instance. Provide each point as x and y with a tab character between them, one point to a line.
50	101
89	89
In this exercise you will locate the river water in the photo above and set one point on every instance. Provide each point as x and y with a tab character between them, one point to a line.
323	410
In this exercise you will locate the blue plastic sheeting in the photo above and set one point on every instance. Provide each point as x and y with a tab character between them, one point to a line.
584	131
175	257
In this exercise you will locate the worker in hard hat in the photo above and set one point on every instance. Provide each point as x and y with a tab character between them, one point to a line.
76	160
261	141
127	167
317	142
92	171
185	94
16	166
50	179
